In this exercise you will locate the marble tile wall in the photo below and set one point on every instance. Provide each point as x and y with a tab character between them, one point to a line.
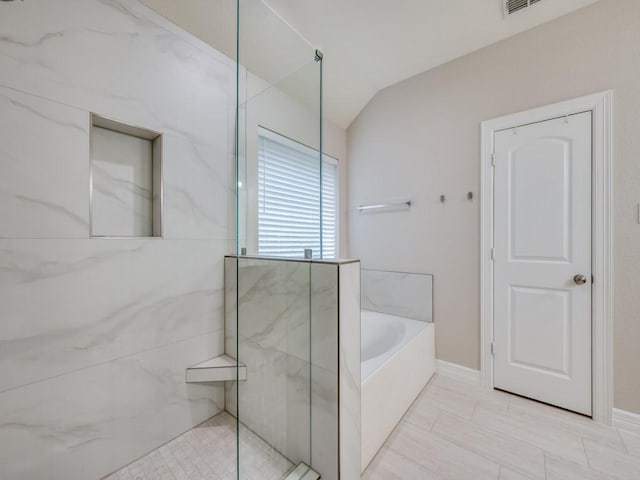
43	159
150	74
408	295
324	370
81	424
273	341
95	334
349	370
287	335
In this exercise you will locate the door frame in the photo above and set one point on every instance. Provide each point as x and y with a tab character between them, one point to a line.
601	106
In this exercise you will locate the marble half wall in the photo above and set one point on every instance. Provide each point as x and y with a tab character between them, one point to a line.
271	336
349	375
408	295
298	332
96	334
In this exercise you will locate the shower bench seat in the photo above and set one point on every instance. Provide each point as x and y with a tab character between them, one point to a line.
222	368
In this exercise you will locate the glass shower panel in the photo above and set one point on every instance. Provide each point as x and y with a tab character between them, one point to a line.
278	216
279	168
274	402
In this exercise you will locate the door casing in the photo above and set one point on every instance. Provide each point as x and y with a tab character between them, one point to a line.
601	106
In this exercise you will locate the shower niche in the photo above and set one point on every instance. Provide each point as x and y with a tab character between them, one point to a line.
126	180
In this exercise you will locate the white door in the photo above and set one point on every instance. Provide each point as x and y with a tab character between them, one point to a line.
542	266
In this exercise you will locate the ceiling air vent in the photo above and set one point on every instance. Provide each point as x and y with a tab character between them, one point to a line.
513	6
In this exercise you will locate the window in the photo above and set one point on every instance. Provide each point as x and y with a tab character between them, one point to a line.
289	199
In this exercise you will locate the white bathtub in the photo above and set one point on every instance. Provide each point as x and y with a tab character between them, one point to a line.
398	359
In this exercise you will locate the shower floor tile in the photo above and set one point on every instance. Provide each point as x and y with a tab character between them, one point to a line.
208	452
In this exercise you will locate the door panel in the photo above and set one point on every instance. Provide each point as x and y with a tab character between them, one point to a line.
542	239
541	162
540	316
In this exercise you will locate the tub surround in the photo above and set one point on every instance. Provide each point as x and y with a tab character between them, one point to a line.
406	295
91	381
398	350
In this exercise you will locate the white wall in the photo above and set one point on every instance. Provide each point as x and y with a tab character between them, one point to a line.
421	138
96	333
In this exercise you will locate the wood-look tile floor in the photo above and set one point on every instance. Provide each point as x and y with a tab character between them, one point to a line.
458	431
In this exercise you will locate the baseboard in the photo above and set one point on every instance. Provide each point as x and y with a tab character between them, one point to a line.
463	374
626	421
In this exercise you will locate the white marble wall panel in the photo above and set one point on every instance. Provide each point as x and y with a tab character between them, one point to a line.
324	316
82	424
274	343
349	373
324	373
262	397
146	69
230	307
44	189
69	304
197	189
230	329
122	184
148	74
324	422
274	401
408	295
274	299
96	334
298	401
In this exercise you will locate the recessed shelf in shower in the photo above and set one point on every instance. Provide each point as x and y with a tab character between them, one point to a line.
126	180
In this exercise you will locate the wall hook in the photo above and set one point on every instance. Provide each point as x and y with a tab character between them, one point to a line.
470	196
442	198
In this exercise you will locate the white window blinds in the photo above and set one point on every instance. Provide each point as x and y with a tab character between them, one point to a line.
289	199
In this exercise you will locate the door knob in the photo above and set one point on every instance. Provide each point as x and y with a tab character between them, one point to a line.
580	279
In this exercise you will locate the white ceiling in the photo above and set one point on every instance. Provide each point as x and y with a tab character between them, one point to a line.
372	44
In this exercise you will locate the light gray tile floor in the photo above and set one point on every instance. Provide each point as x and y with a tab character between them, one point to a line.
458	431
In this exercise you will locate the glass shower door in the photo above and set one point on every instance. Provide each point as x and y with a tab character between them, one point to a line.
278	203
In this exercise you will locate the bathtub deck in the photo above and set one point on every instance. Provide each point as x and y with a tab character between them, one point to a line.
388	391
459	431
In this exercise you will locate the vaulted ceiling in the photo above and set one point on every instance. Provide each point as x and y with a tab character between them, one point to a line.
369	44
